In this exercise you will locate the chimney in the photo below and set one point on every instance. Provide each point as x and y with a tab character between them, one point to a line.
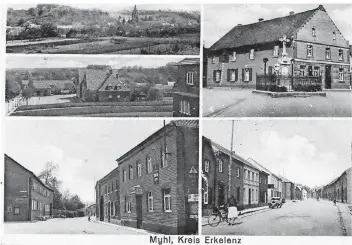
239	24
115	73
292	12
260	19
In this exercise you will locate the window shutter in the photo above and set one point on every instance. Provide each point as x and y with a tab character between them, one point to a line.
214	75
236	74
250	74
242	74
228	75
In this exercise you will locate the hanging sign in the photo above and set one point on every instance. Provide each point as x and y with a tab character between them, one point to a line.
156	174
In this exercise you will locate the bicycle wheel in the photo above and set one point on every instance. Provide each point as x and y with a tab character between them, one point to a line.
214	220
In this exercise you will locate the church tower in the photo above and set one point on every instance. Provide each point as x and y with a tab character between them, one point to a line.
134	15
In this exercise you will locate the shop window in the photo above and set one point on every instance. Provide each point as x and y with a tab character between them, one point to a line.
316	71
340	54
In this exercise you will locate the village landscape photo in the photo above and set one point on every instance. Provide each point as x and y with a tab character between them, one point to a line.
107	177
103	29
285	60
102	86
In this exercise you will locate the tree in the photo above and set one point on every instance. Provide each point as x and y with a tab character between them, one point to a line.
48	30
27	93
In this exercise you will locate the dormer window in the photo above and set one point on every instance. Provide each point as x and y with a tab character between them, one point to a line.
251	54
233	56
109	87
313	32
340	54
334	35
117	87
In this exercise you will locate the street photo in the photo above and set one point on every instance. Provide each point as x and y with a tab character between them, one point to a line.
276	178
281	60
111	177
90	86
156	29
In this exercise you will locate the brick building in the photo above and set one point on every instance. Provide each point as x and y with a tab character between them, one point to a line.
108	198
26	197
340	188
303	44
157	182
186	89
288	188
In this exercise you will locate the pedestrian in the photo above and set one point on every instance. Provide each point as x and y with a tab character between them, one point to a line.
334	201
88	217
232	210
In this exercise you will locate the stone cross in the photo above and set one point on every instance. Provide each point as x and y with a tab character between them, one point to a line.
284	40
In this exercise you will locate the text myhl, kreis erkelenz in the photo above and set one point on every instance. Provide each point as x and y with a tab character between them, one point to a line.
160	240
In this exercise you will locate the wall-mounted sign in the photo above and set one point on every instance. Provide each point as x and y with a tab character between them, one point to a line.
193	170
193	197
137	190
156	174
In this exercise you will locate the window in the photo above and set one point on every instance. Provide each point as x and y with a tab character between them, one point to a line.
213	60
220	165
260	179
149	165
206	166
128	204
316	71
232	75
238	172
247	74
328	53
233	56
167	200
189	78
341	75
116	184
313	32
309	50
124	176
217	76
139	169
333	35
150	201
340	54
302	69
112	209
276	51
206	194
163	157
225	58
130	172
251	54
249	174
106	189
310	70
185	107
16	211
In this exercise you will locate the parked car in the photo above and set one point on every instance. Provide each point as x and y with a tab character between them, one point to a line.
275	202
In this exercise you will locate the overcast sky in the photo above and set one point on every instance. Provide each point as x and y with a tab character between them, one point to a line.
120	6
115	62
221	18
310	152
85	150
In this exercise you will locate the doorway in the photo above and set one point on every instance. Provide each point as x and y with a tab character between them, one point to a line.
249	196
109	211
221	194
101	208
328	76
139	211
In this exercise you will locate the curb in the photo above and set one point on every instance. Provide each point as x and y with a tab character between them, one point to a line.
144	232
289	94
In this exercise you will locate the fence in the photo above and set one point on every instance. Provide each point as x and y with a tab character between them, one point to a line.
280	83
12	104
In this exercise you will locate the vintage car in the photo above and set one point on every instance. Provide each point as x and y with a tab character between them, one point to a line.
275	202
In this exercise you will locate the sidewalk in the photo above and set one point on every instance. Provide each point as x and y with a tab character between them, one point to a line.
141	231
345	215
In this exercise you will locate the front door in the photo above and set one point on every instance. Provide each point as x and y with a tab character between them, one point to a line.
221	195
101	208
328	76
249	196
109	211
139	211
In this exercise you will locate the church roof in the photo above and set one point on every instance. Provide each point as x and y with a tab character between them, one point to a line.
263	31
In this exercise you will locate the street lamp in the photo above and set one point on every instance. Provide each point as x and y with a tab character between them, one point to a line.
265	60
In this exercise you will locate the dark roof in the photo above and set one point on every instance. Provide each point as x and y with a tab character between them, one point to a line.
188	61
107	175
285	180
234	155
263	169
46	186
264	31
113	81
175	123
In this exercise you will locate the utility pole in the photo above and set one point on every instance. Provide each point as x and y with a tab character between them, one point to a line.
230	164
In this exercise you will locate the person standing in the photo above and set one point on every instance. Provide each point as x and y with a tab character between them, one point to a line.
232	210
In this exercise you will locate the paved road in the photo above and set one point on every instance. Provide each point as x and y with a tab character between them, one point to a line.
302	218
242	103
67	226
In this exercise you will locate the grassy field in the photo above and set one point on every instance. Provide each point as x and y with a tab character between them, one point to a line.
95	109
184	44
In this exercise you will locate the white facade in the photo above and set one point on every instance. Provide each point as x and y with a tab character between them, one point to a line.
251	186
304	194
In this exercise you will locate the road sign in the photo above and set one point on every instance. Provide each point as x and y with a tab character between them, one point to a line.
193	170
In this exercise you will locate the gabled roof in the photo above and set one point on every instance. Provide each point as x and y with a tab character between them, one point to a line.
258	165
96	77
188	61
39	180
113	81
264	31
284	179
218	147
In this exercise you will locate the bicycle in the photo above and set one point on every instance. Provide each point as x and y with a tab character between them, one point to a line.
219	216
